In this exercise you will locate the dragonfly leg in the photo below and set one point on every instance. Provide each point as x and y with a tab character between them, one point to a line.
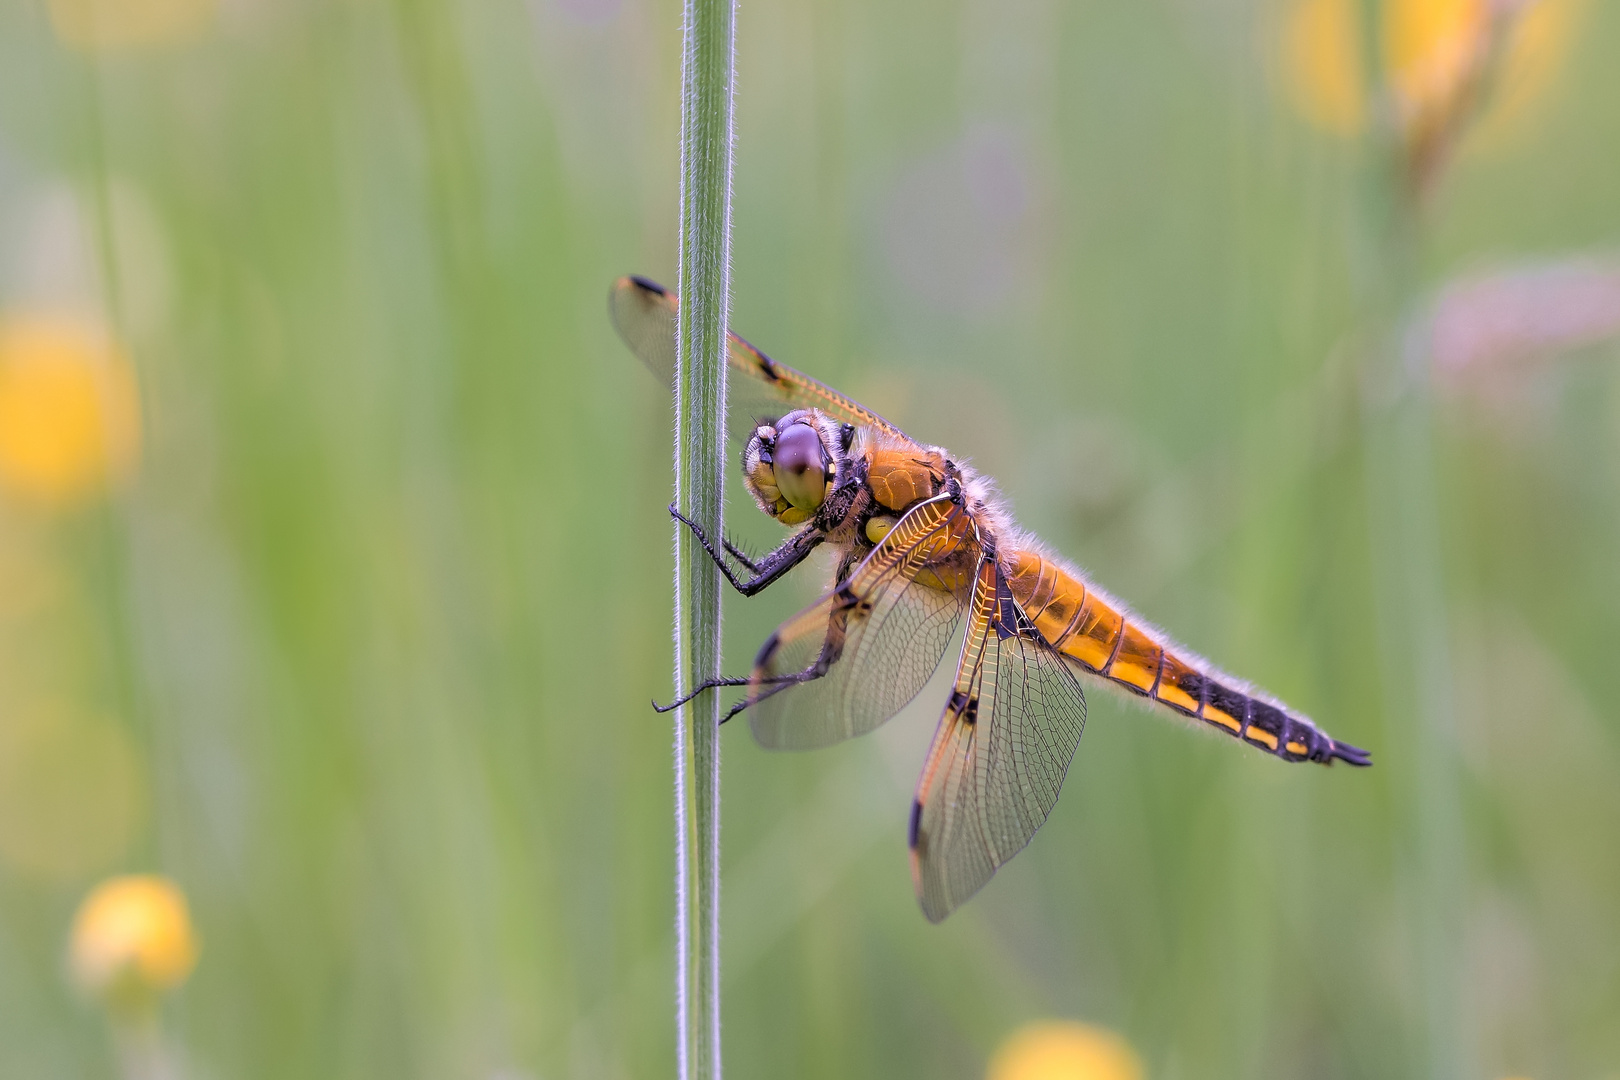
831	650
706	684
740	555
765	571
724	680
775	684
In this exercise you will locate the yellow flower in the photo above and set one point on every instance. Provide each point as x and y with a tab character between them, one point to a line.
132	939
1431	49
69	418
121	25
1320	47
1065	1050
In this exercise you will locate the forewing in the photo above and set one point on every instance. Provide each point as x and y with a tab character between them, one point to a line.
1002	748
644	314
854	658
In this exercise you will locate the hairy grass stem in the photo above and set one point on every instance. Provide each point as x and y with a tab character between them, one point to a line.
707	81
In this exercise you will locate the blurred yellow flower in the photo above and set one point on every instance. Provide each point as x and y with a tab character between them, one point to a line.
69	417
132	939
1065	1050
1320	50
120	25
1432	50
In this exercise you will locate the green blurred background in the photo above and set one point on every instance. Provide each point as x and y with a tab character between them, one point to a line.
359	652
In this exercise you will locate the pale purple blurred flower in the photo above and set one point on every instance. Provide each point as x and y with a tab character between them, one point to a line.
1522	314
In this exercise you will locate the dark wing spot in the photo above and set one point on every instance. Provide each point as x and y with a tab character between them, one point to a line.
966	708
1006	619
766	364
916	820
649	285
767	650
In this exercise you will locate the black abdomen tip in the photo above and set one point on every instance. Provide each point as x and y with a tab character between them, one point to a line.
1353	755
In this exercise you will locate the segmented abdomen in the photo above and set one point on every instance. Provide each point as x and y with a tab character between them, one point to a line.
1097	633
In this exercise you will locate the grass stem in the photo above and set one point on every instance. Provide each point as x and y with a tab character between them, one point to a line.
708	77
1404	518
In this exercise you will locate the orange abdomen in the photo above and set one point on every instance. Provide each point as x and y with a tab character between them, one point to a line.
1097	633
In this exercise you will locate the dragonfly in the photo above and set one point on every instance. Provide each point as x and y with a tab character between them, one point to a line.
921	540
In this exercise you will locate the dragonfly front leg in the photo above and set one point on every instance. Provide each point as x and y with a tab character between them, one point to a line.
767	569
764	572
740	555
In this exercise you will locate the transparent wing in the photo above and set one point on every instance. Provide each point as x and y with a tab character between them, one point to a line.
1002	748
644	314
854	658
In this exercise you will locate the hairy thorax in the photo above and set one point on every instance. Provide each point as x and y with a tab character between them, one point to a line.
902	477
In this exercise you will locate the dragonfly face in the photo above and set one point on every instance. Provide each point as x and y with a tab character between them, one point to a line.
923	543
791	465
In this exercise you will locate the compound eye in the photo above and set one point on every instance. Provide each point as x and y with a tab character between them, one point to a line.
801	473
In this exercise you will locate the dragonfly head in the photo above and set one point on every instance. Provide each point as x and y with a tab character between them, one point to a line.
790	464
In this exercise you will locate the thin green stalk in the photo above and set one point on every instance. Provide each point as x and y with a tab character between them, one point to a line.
1403	501
1414	647
138	1039
1404	522
708	76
